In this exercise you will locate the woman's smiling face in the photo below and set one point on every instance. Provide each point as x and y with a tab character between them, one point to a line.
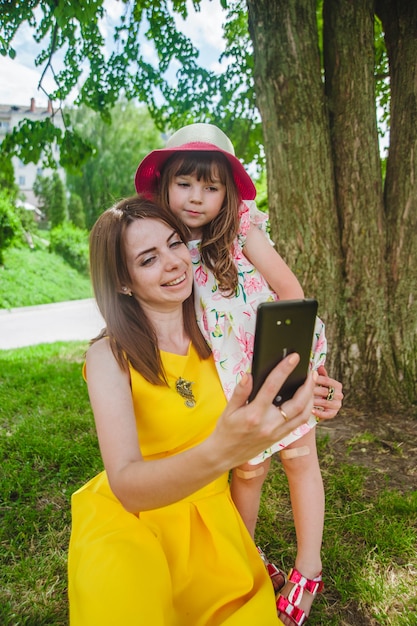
159	264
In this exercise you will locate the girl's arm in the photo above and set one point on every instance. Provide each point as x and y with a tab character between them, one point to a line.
242	431
271	265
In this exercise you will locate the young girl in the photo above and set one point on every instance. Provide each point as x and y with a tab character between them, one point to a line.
200	180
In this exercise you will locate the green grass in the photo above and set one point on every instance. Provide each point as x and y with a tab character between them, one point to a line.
31	277
369	545
48	448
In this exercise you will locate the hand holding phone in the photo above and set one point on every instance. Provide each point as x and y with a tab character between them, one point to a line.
281	328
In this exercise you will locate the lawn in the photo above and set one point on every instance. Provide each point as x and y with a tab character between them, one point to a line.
31	277
48	449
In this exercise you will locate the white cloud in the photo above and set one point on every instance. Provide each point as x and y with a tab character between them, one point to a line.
19	83
114	10
205	30
204	27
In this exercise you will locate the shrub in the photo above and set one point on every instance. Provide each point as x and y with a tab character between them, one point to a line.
76	212
10	224
71	243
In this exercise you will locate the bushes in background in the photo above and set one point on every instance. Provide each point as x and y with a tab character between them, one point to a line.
71	243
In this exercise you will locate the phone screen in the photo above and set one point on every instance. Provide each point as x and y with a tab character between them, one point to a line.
283	327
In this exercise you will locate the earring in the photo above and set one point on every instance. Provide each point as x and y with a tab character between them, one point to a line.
127	291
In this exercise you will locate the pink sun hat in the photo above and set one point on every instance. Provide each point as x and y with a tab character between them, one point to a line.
201	137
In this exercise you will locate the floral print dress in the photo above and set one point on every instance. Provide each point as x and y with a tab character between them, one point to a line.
228	324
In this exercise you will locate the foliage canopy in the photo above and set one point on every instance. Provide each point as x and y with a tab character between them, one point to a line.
108	174
176	89
170	81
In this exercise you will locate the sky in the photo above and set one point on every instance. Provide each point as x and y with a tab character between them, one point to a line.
19	77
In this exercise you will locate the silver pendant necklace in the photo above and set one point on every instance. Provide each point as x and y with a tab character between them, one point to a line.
183	388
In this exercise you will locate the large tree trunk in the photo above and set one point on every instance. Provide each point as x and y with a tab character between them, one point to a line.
399	21
301	196
324	180
348	44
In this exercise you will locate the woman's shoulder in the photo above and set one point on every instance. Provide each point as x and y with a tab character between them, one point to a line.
99	350
99	346
101	362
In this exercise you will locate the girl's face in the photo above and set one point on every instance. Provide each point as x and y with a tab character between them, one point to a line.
196	202
159	265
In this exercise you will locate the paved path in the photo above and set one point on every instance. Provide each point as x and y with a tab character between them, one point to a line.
46	323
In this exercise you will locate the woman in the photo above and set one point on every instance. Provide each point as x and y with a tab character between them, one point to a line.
156	538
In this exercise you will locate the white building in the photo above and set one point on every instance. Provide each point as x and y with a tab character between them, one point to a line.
10	116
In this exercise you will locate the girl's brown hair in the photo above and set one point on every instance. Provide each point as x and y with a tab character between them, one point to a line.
219	234
131	333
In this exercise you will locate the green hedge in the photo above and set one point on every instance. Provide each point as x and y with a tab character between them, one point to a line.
71	243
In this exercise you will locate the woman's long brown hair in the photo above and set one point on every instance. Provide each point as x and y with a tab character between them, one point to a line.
220	233
131	333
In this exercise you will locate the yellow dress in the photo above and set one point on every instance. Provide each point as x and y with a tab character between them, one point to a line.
191	563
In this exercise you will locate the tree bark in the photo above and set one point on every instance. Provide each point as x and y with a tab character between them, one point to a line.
399	21
301	194
351	246
348	40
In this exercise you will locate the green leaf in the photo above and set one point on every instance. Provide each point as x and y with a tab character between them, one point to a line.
74	150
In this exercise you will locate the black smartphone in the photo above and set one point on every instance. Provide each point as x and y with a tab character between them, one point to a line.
283	327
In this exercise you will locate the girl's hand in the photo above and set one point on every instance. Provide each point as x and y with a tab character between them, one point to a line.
328	395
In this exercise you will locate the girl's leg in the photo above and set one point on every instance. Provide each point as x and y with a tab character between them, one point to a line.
246	485
302	468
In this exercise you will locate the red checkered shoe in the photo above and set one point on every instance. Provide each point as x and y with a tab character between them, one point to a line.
277	576
290	605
